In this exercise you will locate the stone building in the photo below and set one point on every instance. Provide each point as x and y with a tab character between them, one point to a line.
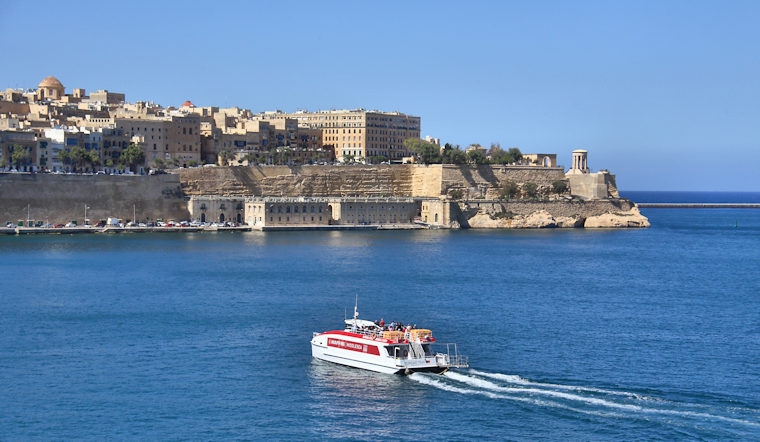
50	88
368	210
359	134
587	185
216	209
174	140
287	212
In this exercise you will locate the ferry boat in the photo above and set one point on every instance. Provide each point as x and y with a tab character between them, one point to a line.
365	344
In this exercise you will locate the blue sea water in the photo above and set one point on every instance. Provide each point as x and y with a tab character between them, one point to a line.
649	334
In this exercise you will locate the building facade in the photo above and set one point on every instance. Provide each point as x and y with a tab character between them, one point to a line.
361	135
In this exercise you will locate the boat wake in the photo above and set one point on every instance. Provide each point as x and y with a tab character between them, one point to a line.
590	400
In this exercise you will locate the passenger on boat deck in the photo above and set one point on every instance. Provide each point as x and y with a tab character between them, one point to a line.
382	322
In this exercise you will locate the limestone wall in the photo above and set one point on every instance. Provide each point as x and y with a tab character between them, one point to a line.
358	180
592	186
486	181
62	198
308	181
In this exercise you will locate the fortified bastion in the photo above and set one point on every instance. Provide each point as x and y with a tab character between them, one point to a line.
452	196
449	196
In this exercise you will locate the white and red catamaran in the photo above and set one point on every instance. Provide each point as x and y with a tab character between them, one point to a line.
403	350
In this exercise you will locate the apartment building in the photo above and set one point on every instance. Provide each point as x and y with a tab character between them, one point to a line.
362	135
174	140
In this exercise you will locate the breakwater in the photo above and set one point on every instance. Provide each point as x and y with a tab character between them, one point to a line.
699	205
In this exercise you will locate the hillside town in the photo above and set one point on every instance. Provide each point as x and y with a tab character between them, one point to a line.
49	130
258	176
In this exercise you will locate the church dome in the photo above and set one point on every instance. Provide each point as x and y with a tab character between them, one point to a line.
50	83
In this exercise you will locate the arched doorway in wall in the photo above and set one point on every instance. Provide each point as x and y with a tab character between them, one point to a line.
436	218
547	162
203	217
240	218
221	217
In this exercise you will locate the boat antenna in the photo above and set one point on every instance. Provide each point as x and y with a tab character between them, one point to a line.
356	312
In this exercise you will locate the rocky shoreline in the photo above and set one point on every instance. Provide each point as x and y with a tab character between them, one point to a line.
542	219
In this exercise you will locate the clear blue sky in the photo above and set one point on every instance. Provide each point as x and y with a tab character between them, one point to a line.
664	94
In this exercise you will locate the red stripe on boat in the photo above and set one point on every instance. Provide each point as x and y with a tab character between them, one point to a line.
353	346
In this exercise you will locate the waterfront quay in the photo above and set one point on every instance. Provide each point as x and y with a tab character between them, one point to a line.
178	229
114	229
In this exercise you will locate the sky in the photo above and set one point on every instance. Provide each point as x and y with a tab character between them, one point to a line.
663	94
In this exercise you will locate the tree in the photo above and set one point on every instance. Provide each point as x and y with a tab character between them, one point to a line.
559	187
63	156
530	189
93	159
159	164
133	156
224	157
78	156
476	156
453	155
457	194
20	155
425	151
515	154
508	190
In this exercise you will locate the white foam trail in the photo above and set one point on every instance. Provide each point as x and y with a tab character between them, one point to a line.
447	387
517	398
561	392
480	383
422	379
515	379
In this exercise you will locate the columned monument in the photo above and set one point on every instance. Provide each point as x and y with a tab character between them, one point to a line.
580	162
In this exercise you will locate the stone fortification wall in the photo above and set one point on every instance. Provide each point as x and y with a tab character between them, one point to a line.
358	180
593	185
308	181
62	198
486	181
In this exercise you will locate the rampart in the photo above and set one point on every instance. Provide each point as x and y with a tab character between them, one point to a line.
359	180
308	181
467	196
54	198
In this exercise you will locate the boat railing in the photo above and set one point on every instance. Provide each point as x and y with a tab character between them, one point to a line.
455	359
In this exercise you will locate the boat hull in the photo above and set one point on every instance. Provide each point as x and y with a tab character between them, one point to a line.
368	354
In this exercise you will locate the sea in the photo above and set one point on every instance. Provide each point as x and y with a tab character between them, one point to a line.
571	334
